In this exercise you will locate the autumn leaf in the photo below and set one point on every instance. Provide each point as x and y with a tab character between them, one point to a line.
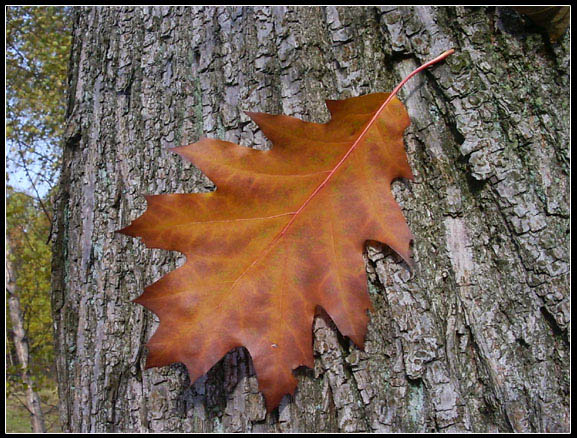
283	234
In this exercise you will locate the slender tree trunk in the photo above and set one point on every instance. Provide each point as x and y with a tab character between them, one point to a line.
21	345
476	338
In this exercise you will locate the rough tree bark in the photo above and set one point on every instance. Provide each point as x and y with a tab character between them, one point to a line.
475	339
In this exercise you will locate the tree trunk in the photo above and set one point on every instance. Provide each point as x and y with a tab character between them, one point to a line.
21	346
476	338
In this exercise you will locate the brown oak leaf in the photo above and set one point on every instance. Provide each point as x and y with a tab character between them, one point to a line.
283	234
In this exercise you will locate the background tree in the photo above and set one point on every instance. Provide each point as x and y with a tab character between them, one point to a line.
476	339
21	346
27	231
37	53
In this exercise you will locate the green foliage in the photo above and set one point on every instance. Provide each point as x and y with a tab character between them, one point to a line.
38	43
37	50
27	228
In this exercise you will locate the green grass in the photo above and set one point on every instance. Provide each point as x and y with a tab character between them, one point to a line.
18	417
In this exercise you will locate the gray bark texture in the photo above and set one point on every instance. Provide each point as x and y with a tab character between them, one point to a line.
475	338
